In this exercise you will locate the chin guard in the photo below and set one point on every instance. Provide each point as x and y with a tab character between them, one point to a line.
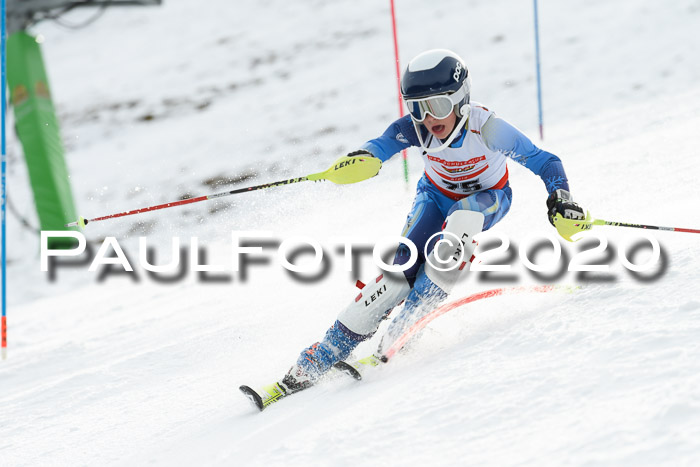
458	127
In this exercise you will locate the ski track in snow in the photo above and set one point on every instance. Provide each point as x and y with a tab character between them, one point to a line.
133	372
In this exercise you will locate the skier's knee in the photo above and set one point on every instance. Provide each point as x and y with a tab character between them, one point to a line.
403	256
454	251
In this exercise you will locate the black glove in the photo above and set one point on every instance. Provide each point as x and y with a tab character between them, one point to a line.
361	152
561	202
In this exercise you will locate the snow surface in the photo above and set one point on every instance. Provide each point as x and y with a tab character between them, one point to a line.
156	103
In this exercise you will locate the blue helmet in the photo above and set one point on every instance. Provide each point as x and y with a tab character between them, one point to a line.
437	72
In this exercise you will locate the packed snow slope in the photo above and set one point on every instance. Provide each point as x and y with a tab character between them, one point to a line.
183	99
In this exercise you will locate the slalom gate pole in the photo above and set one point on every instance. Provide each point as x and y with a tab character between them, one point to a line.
3	182
404	154
347	169
537	64
441	310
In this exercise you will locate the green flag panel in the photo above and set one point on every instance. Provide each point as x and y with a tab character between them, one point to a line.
38	131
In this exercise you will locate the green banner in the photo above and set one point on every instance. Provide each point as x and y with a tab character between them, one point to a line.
37	128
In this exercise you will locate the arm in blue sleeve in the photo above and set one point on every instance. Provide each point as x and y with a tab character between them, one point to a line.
501	136
400	135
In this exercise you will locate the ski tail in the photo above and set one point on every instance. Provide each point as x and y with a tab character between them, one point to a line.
358	367
348	369
271	393
267	395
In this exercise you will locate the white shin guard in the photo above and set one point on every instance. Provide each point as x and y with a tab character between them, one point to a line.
454	251
375	301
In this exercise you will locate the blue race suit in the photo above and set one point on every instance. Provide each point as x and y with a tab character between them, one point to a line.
439	190
471	173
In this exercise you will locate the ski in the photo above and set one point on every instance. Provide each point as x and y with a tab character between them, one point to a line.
348	369
271	393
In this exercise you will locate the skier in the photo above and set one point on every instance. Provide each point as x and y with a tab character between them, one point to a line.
464	190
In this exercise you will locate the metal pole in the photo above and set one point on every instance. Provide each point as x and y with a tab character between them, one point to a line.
347	169
82	222
398	82
3	182
644	226
539	80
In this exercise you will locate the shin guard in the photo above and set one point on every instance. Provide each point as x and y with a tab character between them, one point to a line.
374	303
358	322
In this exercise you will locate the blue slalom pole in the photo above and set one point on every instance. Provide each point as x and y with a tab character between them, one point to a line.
539	80
3	182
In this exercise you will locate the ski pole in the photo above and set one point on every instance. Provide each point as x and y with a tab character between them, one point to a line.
347	169
643	226
569	227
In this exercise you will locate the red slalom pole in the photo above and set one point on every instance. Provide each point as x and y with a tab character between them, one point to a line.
404	154
3	182
441	310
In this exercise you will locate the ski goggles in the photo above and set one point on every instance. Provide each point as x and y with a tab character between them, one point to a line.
438	106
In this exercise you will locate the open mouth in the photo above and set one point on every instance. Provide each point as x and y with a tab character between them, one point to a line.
437	129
